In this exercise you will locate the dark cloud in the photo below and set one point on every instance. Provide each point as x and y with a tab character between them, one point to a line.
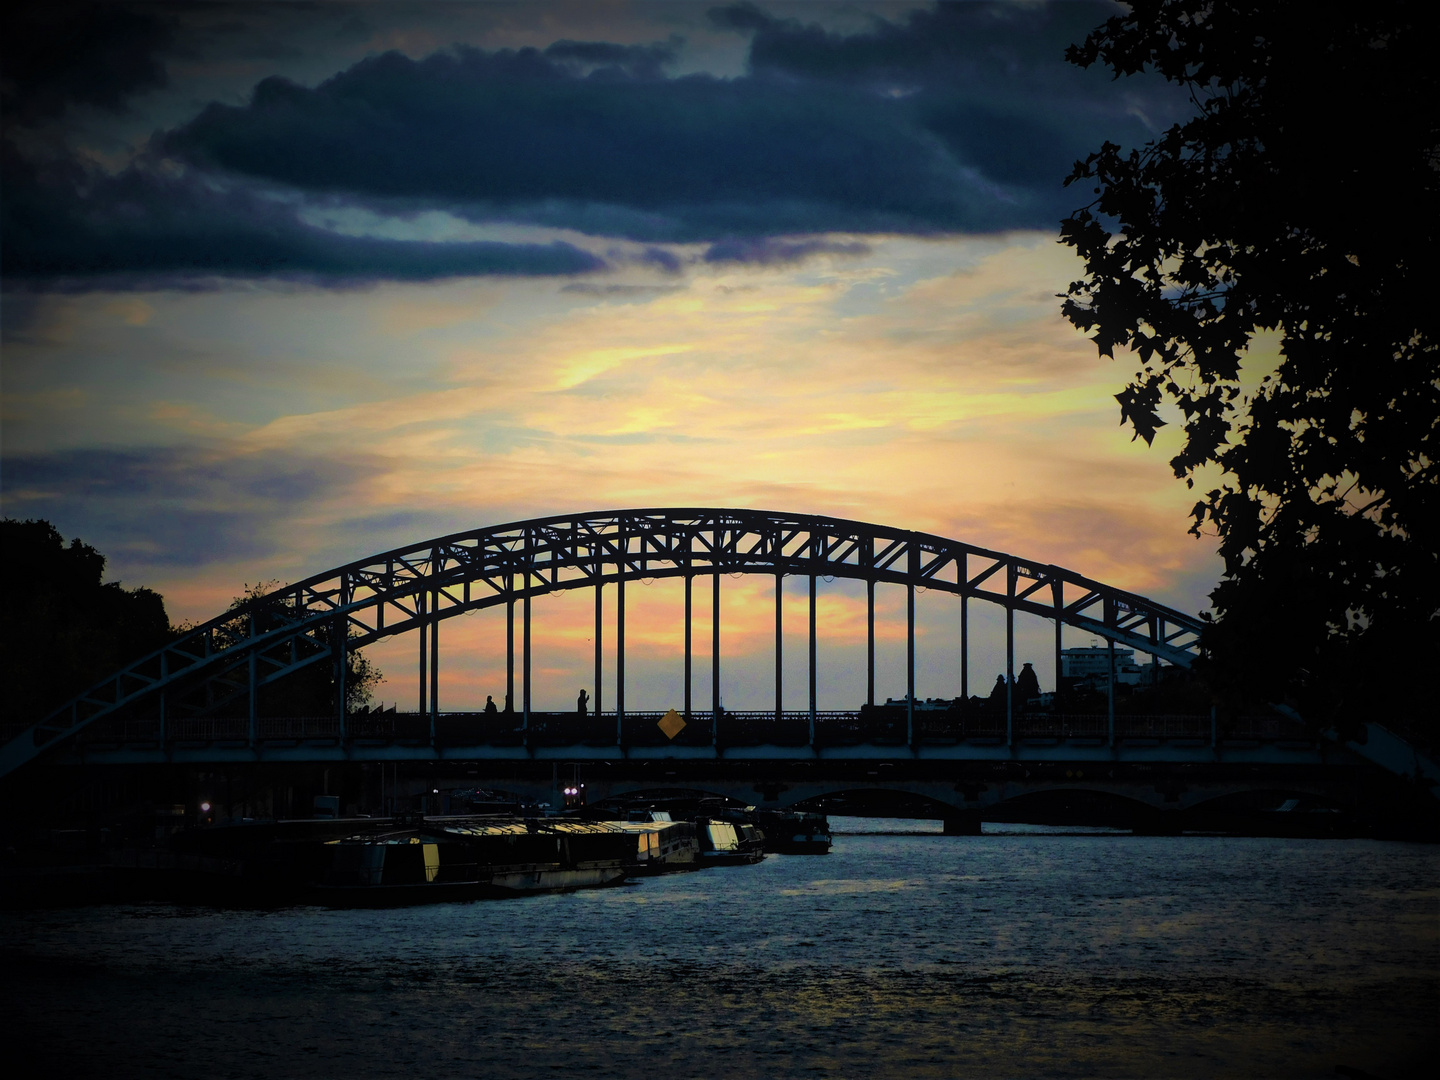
518	136
173	506
742	17
68	227
55	55
603	59
987	79
962	118
768	252
659	258
950	43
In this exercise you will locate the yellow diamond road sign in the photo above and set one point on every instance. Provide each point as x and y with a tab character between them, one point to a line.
671	724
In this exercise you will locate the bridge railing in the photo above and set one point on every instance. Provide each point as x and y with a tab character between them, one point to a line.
1162	727
886	726
1266	729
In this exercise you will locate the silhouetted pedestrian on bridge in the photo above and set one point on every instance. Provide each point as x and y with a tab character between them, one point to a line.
582	703
490	705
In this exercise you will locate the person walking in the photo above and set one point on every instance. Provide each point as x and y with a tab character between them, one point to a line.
582	703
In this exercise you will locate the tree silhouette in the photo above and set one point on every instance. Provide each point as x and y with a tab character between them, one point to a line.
1302	200
310	691
62	628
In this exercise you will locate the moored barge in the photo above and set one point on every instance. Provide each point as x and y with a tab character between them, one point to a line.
725	843
473	861
662	846
790	832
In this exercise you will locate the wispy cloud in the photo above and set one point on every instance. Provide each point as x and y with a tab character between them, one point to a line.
956	402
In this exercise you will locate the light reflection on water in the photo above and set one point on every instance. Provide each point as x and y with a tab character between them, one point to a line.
916	955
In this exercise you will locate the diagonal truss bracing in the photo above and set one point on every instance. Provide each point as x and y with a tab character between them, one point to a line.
315	620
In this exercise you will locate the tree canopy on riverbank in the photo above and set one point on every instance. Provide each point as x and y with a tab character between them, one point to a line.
62	626
1301	201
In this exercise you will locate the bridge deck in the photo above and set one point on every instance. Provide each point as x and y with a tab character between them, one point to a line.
836	736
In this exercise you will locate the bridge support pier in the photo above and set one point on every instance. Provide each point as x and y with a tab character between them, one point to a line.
599	630
963	823
870	624
812	659
689	581
779	644
525	644
421	603
341	670
715	658
434	660
620	642
1010	657
1059	597
510	652
1110	697
964	649
910	665
525	662
254	706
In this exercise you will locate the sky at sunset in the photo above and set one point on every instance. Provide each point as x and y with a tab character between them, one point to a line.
288	285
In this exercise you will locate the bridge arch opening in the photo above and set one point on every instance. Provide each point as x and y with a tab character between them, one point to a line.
1073	806
1278	811
1262	799
879	802
682	800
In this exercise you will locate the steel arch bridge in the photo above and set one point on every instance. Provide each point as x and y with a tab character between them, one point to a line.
416	588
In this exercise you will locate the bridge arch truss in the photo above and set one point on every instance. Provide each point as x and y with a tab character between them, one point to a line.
418	587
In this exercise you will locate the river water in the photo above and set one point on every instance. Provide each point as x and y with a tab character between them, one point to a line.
1022	952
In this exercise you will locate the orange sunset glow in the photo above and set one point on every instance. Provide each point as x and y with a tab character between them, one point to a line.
210	426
